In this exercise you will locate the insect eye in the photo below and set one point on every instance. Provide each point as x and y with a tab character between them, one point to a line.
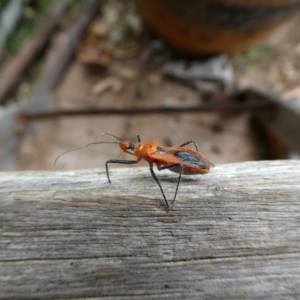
131	146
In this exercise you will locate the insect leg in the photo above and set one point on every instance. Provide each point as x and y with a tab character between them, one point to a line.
118	161
179	177
189	142
157	181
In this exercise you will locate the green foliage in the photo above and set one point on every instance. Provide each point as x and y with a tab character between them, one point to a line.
3	3
32	12
260	51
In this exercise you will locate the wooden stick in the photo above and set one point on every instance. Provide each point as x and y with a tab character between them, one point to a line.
56	66
210	107
232	234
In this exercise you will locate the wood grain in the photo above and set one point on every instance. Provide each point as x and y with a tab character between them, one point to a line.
233	233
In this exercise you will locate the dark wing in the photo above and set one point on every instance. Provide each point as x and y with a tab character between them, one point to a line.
194	162
192	157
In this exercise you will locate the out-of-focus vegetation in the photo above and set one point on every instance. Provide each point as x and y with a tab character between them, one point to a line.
32	13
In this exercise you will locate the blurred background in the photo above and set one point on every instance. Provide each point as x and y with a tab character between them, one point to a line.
225	73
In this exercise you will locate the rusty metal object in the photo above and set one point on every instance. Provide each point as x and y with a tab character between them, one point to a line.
215	26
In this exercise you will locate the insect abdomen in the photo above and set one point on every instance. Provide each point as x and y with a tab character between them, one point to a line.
192	163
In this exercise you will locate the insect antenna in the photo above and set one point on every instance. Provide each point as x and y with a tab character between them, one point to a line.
94	143
108	133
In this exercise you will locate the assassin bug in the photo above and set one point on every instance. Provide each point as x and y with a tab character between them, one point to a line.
180	159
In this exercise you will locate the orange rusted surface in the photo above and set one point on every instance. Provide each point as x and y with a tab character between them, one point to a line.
215	26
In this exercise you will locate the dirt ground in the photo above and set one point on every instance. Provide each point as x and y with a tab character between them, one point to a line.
232	143
223	138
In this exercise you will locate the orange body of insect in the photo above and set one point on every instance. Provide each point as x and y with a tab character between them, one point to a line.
193	162
180	159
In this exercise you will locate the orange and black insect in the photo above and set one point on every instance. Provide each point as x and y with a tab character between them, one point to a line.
180	159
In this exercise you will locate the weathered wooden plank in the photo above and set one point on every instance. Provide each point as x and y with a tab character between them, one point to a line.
250	277
233	233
